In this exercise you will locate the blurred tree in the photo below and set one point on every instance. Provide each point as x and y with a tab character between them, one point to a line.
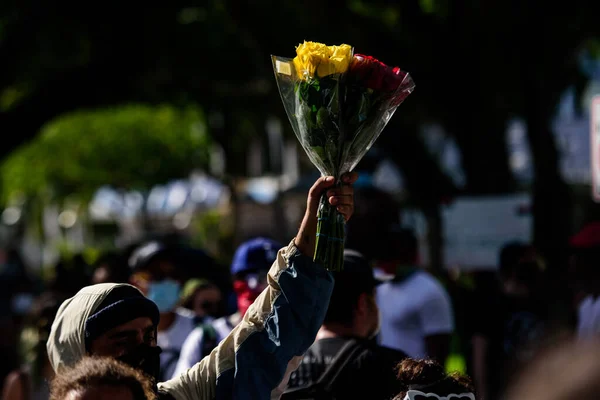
128	147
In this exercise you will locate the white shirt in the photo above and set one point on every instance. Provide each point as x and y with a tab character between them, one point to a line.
411	310
588	324
171	340
192	350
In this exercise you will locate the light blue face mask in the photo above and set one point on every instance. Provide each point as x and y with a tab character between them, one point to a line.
165	294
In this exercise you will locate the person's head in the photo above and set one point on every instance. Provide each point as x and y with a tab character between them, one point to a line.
71	274
156	273
37	330
202	297
352	307
584	262
401	248
110	268
249	268
95	378
374	211
420	378
106	320
520	269
569	371
407	246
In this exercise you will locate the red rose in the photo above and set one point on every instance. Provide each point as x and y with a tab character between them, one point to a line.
373	74
368	71
359	68
404	87
391	80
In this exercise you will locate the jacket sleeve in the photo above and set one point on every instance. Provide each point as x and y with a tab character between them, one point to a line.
256	359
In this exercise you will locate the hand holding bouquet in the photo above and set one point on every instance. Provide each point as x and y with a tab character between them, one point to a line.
338	103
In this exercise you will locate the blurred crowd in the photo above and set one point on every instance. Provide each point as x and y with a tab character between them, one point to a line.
392	325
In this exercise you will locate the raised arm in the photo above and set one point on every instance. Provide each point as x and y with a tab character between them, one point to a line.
255	360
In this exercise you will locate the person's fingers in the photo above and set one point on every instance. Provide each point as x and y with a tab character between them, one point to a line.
342	196
341	191
349	177
317	189
346	211
320	185
341	200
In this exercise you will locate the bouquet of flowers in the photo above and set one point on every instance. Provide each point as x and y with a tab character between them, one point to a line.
338	103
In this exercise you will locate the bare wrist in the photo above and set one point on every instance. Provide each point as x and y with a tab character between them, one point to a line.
305	239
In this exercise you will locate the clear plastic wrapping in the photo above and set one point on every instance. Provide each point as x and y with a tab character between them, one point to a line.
338	104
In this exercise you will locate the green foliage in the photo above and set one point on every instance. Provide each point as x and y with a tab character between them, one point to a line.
438	7
12	96
213	230
388	14
133	146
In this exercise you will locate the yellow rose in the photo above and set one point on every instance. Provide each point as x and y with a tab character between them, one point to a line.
326	67
316	59
341	57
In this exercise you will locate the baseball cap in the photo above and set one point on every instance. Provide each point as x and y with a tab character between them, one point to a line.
357	274
145	253
254	255
355	279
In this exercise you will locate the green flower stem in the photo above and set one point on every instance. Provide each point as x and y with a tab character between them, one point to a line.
331	235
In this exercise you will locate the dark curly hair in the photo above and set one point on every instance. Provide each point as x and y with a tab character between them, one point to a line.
101	371
429	376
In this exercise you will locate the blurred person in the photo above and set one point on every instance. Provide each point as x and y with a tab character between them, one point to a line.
160	278
8	347
249	267
12	267
564	372
352	319
427	380
95	378
584	274
16	298
198	264
31	382
416	311
110	268
254	361
203	298
509	327
70	275
17	286
376	209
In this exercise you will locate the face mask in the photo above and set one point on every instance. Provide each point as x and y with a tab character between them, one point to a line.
245	295
21	303
165	294
144	358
